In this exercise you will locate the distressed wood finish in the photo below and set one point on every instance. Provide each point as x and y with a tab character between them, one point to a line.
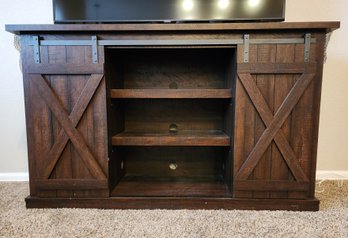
171	93
266	26
184	138
280	130
175	203
175	126
66	92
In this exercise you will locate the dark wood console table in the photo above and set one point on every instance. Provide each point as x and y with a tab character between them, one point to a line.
173	115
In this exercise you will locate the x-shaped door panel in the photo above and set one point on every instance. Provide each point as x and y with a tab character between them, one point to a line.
69	124
273	126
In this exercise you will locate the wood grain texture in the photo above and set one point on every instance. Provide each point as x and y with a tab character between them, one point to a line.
273	185
72	184
326	26
283	85
266	115
75	116
310	164
271	120
67	88
244	124
278	120
136	188
184	68
183	138
192	162
176	203
171	93
156	115
275	68
265	85
284	161
63	117
65	68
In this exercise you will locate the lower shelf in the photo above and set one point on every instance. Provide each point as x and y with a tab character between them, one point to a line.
159	187
174	203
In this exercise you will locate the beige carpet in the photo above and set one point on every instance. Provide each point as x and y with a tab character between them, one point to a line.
16	221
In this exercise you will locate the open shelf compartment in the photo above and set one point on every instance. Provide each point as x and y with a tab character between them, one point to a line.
171	171
185	72
182	122
170	121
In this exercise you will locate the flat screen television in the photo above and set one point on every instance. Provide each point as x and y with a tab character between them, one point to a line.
116	11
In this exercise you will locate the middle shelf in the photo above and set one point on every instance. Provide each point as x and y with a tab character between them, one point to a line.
182	138
171	93
171	122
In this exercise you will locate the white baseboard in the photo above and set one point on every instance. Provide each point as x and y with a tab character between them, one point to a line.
332	174
321	174
14	177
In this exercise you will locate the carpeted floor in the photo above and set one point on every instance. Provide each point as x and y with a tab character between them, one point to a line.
16	221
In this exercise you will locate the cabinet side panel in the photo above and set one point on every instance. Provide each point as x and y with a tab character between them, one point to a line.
319	57
37	115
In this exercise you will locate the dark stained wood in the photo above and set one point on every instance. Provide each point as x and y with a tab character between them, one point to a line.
183	138
60	86
267	117
63	117
274	126
171	93
295	127
30	118
276	68
45	117
327	26
76	55
175	203
192	162
158	114
63	68
310	164
265	84
184	68
71	184
158	188
267	185
283	85
239	139
244	123
86	125
75	116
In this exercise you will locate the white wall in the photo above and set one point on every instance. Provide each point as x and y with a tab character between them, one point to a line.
333	146
333	132
13	152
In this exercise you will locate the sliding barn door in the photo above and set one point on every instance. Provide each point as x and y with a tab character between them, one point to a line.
66	122
276	124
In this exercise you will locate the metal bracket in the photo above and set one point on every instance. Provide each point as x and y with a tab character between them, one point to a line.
246	48
36	45
95	55
307	47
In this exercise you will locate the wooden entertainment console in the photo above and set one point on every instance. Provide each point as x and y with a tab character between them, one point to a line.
197	116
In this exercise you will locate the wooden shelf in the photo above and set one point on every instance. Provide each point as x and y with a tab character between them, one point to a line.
183	138
137	186
171	93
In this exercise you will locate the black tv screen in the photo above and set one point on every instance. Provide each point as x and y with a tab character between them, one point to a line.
105	11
